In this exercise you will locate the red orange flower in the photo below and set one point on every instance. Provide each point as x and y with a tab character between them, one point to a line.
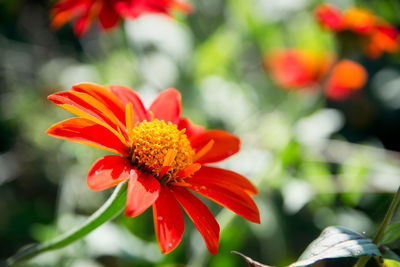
346	78
330	17
359	20
162	155
377	35
108	12
385	38
296	68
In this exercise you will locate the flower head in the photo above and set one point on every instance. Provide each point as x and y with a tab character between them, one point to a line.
109	12
377	35
346	78
296	68
330	17
161	155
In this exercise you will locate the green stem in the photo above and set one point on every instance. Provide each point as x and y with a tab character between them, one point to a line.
112	207
363	260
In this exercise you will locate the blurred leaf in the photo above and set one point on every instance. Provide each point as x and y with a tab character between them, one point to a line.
251	262
391	263
337	242
388	254
392	233
112	207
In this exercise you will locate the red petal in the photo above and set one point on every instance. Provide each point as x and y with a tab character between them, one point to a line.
89	133
127	95
109	171
191	128
143	191
225	145
82	25
224	178
200	215
232	198
103	95
108	17
167	106
169	223
86	106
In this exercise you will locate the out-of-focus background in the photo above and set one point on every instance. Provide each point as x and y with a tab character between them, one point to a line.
316	161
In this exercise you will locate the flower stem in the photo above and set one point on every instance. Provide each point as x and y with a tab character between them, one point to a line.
363	260
112	207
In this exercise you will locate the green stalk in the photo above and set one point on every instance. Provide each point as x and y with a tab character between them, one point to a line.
363	260
111	208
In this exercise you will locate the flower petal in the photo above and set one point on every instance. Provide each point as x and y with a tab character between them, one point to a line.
143	191
169	223
86	106
127	95
191	128
108	17
225	145
232	198
103	95
201	216
167	106
108	171
87	132
224	178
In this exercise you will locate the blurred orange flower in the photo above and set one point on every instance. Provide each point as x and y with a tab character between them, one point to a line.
385	38
161	154
378	36
359	20
346	78
108	12
297	68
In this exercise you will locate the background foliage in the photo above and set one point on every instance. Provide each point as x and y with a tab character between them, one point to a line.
316	162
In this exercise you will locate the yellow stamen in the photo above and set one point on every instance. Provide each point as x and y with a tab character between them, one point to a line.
160	148
203	150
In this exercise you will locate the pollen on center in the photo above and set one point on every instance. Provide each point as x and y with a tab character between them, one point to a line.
156	142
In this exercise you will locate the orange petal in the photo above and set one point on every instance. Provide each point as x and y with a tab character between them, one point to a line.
143	191
86	106
103	95
191	128
224	178
127	95
236	200
167	106
225	145
108	171
201	216
89	133
169	223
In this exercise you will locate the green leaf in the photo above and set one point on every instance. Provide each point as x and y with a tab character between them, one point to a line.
112	207
391	263
337	242
391	234
389	254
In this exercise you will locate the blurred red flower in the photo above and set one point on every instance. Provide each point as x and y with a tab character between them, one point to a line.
378	36
330	17
384	38
108	12
161	155
346	78
296	68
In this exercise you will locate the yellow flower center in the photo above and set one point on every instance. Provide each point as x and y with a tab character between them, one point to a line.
157	145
